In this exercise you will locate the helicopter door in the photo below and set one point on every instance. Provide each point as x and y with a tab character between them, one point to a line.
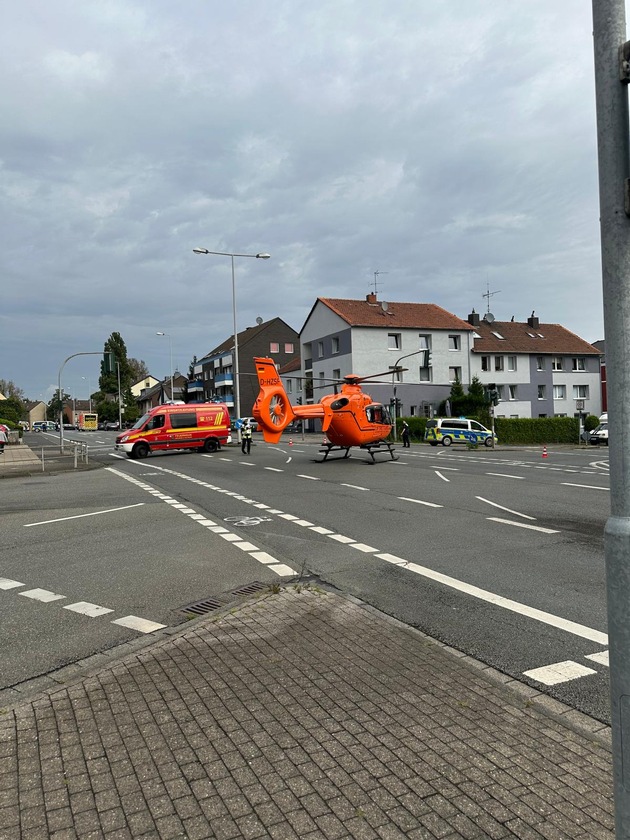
377	413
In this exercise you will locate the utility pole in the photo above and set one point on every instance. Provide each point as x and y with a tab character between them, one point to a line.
612	75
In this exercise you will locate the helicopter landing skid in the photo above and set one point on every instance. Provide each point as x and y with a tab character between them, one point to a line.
377	448
372	448
329	447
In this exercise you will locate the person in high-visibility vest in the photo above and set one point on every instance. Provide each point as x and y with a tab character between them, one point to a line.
246	438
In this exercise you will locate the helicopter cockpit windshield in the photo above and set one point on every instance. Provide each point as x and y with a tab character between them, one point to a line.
377	413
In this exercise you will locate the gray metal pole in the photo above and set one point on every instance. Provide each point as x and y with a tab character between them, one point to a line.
609	34
237	390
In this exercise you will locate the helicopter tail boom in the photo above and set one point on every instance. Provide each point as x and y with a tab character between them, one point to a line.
273	409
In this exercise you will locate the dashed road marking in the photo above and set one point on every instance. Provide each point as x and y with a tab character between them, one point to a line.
523	525
43	595
507	510
85	608
133	622
585	486
420	502
559	672
506	475
7	583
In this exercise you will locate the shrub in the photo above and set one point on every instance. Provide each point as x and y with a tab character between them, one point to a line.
524	430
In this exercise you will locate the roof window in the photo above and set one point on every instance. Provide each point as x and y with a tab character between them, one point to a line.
498	335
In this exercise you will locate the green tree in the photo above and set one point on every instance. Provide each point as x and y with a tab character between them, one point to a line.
10	389
138	369
185	396
107	402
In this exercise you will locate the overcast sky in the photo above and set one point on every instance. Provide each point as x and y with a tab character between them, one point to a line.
450	146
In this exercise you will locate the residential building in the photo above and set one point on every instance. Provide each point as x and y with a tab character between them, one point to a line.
368	337
161	392
143	384
540	370
214	373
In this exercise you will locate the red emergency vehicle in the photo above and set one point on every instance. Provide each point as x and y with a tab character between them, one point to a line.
204	427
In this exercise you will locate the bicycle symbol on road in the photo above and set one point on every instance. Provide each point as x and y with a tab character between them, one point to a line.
247	521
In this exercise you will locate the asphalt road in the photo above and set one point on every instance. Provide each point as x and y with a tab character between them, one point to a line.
499	554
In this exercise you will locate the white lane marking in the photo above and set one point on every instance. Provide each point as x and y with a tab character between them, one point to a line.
303	522
468	589
288	516
601	658
506	475
142	625
263	557
584	486
247	463
367	549
310	477
82	515
354	486
246	546
320	530
288	461
443	477
559	672
419	502
273	469
450	469
508	510
7	583
523	525
225	459
282	570
85	608
236	539
500	601
43	595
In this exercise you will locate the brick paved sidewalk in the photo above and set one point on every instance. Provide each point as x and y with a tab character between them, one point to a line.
302	715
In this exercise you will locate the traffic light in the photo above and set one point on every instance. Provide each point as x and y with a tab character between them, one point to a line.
429	360
493	394
109	362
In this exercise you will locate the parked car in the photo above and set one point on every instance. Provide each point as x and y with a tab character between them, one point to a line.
238	424
599	435
112	426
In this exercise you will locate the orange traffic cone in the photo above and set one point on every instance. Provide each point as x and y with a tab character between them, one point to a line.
544	454
290	441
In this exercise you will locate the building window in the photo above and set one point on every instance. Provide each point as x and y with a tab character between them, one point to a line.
455	373
559	392
580	392
498	362
274	347
454	342
335	344
289	386
512	363
336	373
424	342
396	374
578	363
288	347
541	392
540	362
512	392
322	376
425	374
320	349
556	363
393	341
485	363
413	410
501	391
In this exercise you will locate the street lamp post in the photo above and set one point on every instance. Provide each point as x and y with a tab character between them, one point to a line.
237	393
170	344
87	378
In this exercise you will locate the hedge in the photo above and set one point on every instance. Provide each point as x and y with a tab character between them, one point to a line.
524	430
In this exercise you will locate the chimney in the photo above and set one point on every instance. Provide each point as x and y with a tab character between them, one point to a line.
473	318
371	298
533	321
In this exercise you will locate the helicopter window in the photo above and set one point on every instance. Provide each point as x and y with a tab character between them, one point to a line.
377	414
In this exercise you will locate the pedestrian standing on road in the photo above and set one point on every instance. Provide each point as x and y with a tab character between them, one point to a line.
246	438
3	438
405	434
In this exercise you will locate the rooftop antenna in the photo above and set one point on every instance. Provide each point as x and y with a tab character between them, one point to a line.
488	294
376	281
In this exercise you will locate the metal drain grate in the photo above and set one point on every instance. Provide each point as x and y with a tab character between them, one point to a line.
208	605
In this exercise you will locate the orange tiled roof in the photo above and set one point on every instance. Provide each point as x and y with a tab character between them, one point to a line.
365	313
522	338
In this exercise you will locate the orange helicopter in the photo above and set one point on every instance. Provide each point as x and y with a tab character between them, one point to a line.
349	418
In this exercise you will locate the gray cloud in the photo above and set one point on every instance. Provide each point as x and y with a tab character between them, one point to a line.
450	146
